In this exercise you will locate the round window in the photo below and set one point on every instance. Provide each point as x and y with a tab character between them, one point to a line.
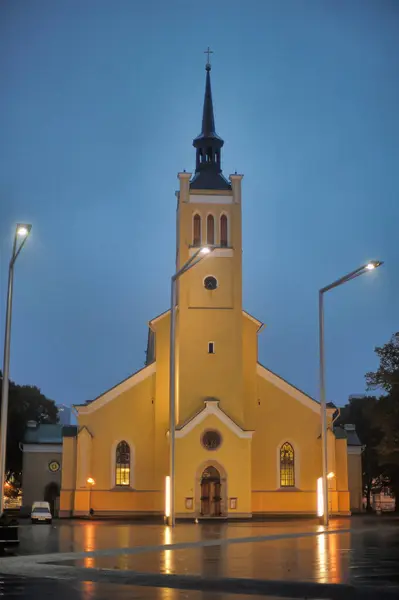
210	283
211	439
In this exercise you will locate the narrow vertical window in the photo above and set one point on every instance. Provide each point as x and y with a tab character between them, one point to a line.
287	466
122	464
211	348
197	230
223	231
210	230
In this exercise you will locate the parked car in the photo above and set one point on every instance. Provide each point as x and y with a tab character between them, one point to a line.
41	513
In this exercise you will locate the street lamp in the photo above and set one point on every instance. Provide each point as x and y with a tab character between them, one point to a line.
200	254
22	232
370	266
91	482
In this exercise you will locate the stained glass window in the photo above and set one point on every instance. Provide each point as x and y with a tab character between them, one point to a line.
287	465
122	464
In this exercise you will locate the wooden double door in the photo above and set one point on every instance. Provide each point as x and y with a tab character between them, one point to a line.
211	490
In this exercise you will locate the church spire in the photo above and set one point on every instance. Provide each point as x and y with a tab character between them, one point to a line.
208	145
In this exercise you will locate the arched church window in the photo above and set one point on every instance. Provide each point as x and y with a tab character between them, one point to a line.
210	230
223	231
122	464
197	230
287	465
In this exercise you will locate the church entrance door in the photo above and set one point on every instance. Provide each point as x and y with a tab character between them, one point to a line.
211	493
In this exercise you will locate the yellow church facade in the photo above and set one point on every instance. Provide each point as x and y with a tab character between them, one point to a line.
247	443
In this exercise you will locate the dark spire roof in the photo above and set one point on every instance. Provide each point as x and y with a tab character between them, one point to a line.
208	172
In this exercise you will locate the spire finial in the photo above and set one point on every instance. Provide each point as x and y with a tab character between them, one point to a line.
208	51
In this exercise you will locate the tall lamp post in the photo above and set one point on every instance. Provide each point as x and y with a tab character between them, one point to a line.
22	232
323	407
170	493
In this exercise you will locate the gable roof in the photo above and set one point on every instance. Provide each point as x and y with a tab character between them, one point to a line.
212	408
289	389
117	390
244	312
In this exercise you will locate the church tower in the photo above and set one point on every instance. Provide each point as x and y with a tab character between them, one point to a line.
209	334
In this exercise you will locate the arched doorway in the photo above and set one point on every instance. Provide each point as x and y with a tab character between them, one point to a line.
51	493
211	489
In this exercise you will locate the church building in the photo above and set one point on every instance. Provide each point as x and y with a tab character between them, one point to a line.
247	442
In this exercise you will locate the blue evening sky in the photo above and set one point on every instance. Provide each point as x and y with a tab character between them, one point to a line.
100	102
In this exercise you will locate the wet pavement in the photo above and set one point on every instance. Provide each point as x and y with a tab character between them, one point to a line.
353	558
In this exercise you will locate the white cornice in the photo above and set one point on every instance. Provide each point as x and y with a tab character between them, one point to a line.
212	408
42	448
217	252
210	199
288	388
117	390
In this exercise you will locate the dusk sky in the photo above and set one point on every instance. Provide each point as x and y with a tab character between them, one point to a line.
100	101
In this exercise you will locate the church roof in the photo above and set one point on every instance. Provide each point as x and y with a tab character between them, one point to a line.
211	408
117	389
244	312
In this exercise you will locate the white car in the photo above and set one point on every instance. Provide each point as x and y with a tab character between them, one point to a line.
41	513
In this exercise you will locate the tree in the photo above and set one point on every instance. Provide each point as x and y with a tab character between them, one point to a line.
25	403
387	410
387	374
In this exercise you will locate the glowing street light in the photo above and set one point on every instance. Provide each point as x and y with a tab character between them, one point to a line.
323	494
22	232
91	482
199	255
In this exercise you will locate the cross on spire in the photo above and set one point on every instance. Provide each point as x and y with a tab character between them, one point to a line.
208	51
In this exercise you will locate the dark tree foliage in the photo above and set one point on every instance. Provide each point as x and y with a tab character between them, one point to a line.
25	403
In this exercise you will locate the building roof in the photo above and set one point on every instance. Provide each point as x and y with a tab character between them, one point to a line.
208	172
351	437
44	433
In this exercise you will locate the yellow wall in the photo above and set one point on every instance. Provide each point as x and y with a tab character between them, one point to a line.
232	459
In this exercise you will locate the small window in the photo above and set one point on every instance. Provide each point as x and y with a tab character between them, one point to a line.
211	348
210	283
210	230
197	230
223	231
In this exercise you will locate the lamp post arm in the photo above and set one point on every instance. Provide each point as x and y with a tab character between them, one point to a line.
344	279
15	252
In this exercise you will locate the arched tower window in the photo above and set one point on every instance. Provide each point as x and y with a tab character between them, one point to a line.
197	230
210	230
287	465
223	231
122	464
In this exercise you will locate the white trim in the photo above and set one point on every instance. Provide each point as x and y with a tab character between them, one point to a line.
117	390
288	388
354	449
212	408
42	448
113	464
253	319
296	487
210	199
218	252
